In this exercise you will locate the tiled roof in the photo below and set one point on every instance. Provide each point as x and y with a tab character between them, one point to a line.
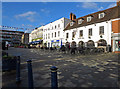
110	13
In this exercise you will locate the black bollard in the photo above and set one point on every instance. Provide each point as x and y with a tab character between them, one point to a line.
18	70
30	74
54	83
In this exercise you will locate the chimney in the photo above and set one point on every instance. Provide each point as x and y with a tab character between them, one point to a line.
118	2
72	16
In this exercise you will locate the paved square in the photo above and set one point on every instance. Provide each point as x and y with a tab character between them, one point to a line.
99	70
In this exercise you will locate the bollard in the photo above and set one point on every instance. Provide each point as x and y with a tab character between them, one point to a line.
18	70
54	83
30	74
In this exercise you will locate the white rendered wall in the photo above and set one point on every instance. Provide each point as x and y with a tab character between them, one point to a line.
95	33
63	21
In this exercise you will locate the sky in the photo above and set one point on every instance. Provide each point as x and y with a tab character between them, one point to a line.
35	14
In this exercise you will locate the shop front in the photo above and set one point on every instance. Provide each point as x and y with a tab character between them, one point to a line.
55	43
117	45
116	42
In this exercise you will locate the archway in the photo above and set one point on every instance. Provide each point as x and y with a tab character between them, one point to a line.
73	43
81	43
90	43
102	42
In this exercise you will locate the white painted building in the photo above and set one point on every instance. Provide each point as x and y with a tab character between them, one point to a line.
53	32
95	36
36	34
101	29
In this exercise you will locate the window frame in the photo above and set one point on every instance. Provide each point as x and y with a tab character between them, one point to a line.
90	33
58	33
67	35
101	30
72	23
80	33
99	15
89	17
80	21
55	34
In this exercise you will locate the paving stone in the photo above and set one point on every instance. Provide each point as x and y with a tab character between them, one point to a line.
69	83
75	70
45	76
60	77
75	75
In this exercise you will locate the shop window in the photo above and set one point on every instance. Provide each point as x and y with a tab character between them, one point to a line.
117	45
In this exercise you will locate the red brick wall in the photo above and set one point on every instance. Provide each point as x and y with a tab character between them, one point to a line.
116	26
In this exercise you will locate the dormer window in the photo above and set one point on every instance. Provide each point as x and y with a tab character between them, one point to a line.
80	21
71	23
101	15
89	18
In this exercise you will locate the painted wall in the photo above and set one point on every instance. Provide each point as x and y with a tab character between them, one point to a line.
50	29
95	33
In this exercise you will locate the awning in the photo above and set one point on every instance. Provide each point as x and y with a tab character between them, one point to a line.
36	42
52	41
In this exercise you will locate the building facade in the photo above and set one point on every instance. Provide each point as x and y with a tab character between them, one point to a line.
25	38
12	37
36	34
53	33
97	29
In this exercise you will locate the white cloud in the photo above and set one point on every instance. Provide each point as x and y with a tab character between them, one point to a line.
45	10
101	8
89	5
27	15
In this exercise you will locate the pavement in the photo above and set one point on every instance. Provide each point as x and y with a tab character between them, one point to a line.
97	70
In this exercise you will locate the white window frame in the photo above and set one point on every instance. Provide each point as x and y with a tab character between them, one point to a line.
71	23
103	15
80	34
58	33
80	21
89	18
101	31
